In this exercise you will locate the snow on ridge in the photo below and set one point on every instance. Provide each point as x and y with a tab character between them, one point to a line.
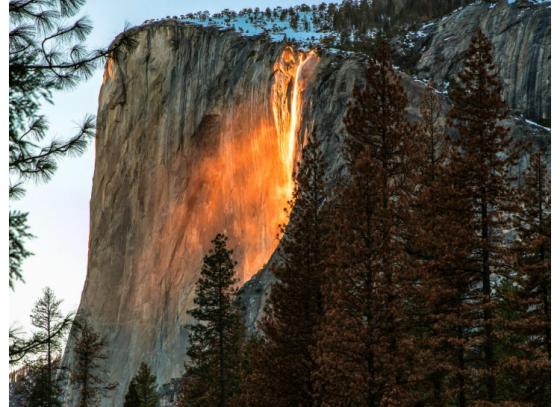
531	1
306	27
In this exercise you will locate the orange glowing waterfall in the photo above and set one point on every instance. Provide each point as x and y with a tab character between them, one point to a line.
243	174
291	76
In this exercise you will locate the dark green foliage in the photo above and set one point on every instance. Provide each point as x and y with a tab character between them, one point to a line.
142	389
48	319
46	341
363	15
212	370
38	387
42	382
46	54
19	233
131	399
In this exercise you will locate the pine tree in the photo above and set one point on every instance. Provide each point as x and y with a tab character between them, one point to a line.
47	317
42	384
481	200
252	375
142	389
364	353
37	388
86	375
294	21
284	364
529	336
436	289
52	326
46	340
46	54
131	398
212	370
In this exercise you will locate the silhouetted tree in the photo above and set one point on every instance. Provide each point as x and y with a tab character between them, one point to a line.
48	319
252	376
142	389
435	291
481	155
284	364
37	387
528	343
365	354
47	339
86	375
212	369
46	54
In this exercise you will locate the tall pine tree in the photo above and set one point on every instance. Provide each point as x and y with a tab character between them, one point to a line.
212	370
52	325
47	317
364	352
528	304
482	200
87	376
43	382
437	285
283	365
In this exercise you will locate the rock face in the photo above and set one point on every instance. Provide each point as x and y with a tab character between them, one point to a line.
189	143
186	147
520	35
192	136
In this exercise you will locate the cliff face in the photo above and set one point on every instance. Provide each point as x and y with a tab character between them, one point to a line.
198	133
520	35
186	147
194	133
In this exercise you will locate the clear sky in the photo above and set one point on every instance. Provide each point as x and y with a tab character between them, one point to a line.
59	210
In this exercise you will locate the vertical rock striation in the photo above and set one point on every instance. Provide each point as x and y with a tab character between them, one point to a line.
520	35
186	147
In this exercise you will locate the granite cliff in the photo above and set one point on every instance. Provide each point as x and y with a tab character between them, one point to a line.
520	35
198	132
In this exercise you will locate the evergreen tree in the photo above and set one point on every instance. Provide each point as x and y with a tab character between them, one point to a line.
284	364
294	21
365	355
529	337
52	326
481	198
46	54
42	383
47	317
142	389
212	370
252	375
87	376
46	341
131	398
436	289
37	388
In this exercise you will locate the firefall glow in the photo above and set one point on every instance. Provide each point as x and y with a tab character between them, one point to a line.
287	98
240	174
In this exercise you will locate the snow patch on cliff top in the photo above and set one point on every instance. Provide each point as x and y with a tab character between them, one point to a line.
306	27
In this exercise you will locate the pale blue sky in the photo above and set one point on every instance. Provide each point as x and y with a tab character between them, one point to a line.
59	210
